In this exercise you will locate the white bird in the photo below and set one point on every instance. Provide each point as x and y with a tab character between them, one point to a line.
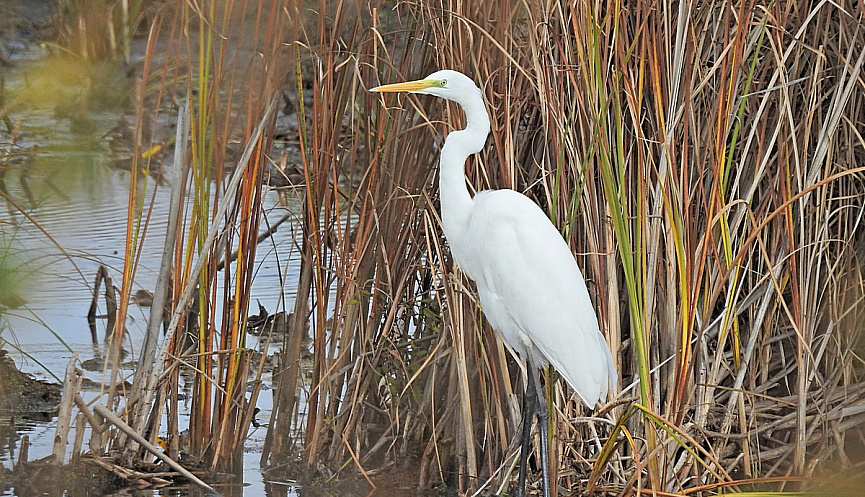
530	287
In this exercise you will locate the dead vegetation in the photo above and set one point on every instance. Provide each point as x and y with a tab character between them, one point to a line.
705	162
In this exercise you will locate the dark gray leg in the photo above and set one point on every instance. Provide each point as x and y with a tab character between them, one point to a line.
544	423
530	400
534	400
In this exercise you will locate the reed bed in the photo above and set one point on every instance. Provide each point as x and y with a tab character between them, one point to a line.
705	164
99	30
216	72
703	161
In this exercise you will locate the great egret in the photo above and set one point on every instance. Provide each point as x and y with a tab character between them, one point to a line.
529	285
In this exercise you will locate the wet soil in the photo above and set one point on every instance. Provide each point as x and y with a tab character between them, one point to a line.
21	395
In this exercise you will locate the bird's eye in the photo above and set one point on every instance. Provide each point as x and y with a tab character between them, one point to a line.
443	83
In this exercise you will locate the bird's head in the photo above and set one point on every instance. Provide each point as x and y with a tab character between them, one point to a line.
447	84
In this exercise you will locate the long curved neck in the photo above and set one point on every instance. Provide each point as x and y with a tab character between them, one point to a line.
456	201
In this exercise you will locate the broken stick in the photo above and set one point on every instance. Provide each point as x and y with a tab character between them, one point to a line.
125	428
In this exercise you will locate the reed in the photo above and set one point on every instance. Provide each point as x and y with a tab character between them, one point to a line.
224	65
99	30
704	164
703	161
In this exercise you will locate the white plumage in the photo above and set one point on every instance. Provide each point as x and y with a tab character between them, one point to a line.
533	293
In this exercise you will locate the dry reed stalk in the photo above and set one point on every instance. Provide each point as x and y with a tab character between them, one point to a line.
226	107
71	385
99	30
703	161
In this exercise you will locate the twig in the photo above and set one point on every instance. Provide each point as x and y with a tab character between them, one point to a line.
24	451
160	294
80	424
82	406
128	474
110	302
125	428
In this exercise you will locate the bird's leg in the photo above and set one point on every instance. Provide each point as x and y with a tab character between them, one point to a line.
544	424
534	401
529	402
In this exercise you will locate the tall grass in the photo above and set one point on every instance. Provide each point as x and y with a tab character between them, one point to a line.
99	30
225	67
704	163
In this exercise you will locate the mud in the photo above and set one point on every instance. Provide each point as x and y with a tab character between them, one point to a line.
23	396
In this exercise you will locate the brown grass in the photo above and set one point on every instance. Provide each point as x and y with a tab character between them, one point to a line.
218	73
705	164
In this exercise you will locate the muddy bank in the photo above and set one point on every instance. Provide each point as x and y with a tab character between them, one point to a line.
23	396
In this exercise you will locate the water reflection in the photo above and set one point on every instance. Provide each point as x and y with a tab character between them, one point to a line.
89	225
226	490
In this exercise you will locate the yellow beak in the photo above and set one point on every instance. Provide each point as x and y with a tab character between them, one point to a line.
421	84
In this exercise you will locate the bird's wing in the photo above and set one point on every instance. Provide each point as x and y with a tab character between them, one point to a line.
533	291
